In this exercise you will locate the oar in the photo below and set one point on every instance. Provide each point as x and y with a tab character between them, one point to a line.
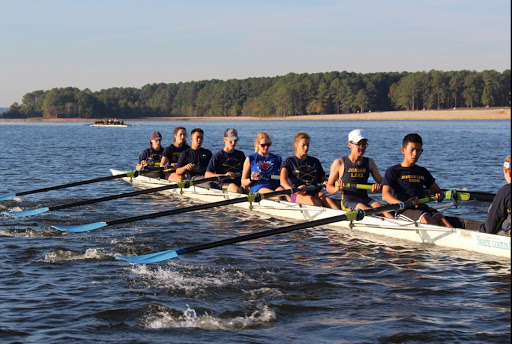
243	198
179	185
130	174
350	216
460	195
477	195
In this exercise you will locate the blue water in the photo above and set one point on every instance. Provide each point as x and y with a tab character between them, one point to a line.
310	286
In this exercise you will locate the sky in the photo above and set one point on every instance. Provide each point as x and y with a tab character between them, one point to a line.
99	44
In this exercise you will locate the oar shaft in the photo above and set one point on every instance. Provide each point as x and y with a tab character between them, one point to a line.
108	198
183	184
263	234
177	211
57	187
355	215
244	198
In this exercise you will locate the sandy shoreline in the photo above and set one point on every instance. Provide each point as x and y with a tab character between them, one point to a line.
463	114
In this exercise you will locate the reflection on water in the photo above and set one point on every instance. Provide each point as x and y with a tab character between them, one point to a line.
317	285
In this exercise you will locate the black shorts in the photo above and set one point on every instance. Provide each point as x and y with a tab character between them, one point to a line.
415	214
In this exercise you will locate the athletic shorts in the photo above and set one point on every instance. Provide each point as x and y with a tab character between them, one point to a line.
220	185
415	214
349	203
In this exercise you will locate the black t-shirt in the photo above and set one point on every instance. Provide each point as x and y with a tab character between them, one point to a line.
498	217
172	153
408	182
200	158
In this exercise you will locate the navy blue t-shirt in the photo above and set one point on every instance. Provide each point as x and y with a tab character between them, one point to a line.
498	217
303	172
151	156
223	162
408	182
172	153
200	158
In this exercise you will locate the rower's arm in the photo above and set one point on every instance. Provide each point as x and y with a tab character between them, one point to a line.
387	196
246	173
284	179
436	190
333	177
375	172
376	176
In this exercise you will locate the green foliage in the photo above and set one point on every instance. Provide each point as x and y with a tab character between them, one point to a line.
288	95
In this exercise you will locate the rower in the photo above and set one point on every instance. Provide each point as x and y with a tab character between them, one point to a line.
355	169
407	181
227	161
192	161
261	166
301	170
498	217
171	154
150	158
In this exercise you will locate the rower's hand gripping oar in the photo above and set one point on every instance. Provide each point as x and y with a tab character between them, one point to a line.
457	195
179	185
350	216
130	174
244	198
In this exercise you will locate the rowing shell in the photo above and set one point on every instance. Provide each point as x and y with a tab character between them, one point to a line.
458	238
110	125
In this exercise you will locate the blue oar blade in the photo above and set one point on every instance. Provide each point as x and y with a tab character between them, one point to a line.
29	212
150	258
5	197
81	228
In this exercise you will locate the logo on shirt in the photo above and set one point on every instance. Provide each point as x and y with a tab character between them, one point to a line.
413	178
357	172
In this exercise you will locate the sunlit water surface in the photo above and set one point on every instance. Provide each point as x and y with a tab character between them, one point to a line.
313	286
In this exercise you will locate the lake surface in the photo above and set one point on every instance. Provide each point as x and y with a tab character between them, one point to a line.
310	286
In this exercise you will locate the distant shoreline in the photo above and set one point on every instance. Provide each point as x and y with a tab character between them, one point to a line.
455	114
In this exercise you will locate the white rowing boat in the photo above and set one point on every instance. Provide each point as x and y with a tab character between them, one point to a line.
110	125
458	238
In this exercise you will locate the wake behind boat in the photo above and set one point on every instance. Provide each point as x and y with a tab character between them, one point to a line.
465	237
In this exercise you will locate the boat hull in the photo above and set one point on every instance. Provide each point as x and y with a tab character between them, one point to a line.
457	238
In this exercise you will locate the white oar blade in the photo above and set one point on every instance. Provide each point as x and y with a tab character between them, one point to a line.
5	197
81	228
29	212
150	258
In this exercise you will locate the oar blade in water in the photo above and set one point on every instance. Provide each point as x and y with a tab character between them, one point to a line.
149	258
29	212
81	228
6	197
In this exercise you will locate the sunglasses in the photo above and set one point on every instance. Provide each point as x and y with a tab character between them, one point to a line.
364	145
265	144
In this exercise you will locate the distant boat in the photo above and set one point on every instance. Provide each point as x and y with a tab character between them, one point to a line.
109	123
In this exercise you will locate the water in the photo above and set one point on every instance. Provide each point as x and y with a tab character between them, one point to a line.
311	286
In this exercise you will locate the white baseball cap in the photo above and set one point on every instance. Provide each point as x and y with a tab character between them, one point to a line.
357	135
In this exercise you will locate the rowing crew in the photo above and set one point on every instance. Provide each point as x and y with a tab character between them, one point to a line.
402	182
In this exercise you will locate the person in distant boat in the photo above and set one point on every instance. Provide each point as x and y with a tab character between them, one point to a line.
171	154
192	161
498	217
150	158
228	161
260	166
355	169
407	182
301	170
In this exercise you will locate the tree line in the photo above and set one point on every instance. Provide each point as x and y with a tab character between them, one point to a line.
288	95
